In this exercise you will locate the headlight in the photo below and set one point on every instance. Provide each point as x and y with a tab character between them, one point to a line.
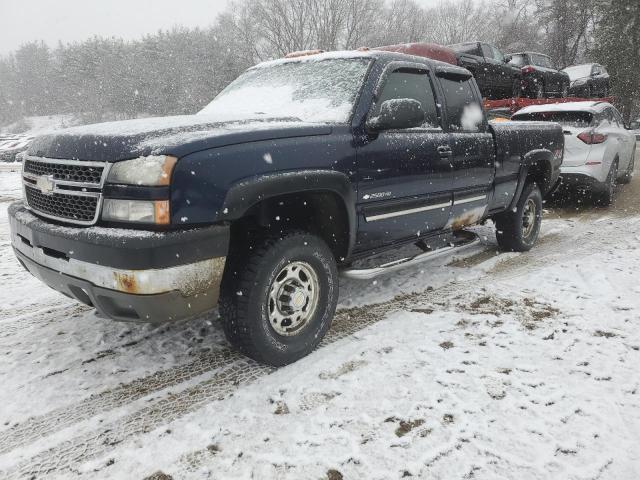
136	211
151	171
580	81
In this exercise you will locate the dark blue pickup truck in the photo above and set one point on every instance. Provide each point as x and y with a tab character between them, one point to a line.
298	169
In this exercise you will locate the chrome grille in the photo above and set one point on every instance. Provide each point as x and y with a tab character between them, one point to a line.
65	190
65	171
75	208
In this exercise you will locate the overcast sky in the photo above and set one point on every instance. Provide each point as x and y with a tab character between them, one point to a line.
69	20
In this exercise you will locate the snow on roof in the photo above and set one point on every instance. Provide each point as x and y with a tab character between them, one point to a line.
592	107
316	57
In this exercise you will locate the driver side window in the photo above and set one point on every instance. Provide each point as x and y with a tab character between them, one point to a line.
413	85
497	55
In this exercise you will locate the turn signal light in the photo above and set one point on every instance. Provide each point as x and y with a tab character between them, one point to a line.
591	138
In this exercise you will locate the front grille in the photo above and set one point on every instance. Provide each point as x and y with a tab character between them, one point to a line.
65	171
65	190
69	207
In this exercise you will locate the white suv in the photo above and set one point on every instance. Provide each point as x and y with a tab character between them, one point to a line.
599	151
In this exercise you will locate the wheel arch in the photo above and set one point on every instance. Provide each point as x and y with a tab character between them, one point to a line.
320	201
539	168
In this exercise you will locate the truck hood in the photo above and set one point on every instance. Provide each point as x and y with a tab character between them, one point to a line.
178	136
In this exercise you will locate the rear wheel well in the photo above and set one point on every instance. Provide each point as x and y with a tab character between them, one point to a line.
540	173
322	213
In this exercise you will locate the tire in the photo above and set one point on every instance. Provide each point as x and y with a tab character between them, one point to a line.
516	89
628	175
258	318
518	230
564	90
606	191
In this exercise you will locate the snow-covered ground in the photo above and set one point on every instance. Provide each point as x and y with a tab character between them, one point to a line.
484	366
39	125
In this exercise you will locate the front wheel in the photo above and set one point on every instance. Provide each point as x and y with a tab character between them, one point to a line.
277	304
518	230
516	89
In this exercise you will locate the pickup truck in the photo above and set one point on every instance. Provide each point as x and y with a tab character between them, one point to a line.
295	171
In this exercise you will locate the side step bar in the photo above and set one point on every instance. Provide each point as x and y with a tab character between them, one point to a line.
467	239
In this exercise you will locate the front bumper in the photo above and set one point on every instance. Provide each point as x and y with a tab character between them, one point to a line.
128	275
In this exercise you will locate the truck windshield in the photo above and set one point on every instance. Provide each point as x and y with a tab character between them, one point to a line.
319	91
567	119
579	71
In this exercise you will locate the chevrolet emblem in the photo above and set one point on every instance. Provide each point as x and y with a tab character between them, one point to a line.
46	184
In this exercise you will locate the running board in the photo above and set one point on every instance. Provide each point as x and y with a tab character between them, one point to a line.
369	273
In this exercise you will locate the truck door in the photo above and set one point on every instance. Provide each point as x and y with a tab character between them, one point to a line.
472	149
402	190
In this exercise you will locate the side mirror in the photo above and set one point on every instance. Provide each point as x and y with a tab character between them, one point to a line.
397	114
507	58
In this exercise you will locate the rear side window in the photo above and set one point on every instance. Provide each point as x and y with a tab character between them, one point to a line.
518	60
497	54
618	117
464	112
567	119
414	85
541	61
470	48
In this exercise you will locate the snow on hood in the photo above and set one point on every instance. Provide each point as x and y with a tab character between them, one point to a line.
177	135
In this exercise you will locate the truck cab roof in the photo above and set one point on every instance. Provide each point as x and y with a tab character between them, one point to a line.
386	54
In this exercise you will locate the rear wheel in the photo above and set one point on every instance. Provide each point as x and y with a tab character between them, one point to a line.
605	192
628	175
518	230
564	91
277	303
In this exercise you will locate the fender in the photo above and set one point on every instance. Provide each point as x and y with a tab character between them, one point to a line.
245	194
540	156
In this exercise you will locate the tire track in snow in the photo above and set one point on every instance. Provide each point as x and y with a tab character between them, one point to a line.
37	427
235	371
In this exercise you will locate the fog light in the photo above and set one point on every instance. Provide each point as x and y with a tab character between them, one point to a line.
136	211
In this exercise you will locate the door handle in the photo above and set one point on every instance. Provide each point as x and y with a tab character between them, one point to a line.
445	151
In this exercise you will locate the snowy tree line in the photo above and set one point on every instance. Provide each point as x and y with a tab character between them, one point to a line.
179	71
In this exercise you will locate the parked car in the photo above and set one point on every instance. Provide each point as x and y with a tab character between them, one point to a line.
539	78
496	78
588	80
12	145
599	150
295	170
